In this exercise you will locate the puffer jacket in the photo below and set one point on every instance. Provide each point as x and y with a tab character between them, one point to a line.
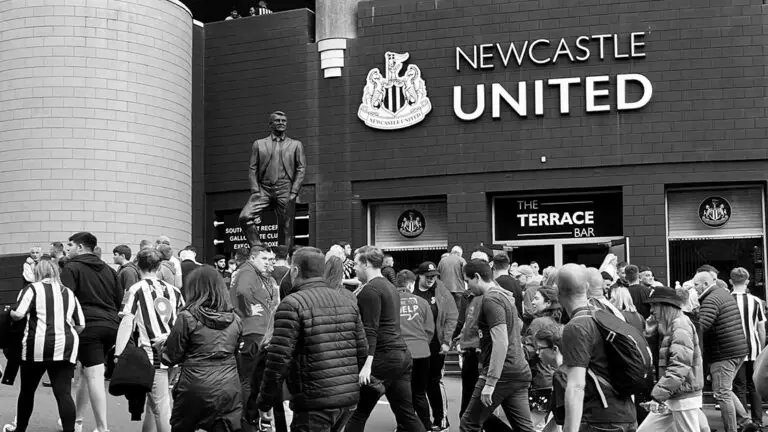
680	364
720	321
320	344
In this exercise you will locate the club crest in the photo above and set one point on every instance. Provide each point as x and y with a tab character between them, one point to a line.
411	223
715	212
393	101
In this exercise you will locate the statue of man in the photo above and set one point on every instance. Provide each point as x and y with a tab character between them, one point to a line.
276	174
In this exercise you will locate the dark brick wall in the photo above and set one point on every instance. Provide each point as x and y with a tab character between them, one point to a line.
706	121
252	67
706	63
255	66
198	139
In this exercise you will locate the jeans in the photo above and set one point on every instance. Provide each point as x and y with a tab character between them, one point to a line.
60	374
329	420
419	384
157	410
393	370
469	376
744	387
246	362
459	299
513	398
673	421
731	409
438	400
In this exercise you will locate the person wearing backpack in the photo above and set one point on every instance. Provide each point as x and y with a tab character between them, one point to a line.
591	401
676	397
504	372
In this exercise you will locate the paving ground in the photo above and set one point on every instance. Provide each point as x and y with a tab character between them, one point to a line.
45	414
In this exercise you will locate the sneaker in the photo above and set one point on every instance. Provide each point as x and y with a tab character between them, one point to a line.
10	427
78	425
749	427
443	426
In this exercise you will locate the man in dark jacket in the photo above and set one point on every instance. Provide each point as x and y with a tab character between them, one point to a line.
255	297
319	345
638	291
281	271
128	273
725	346
189	263
446	315
95	286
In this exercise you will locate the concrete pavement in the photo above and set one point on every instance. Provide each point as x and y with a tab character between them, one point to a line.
382	420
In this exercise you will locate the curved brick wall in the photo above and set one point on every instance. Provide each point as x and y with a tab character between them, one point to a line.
95	117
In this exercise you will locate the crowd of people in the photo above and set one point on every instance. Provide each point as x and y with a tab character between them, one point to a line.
260	9
315	339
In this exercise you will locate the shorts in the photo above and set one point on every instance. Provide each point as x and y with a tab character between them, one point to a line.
95	343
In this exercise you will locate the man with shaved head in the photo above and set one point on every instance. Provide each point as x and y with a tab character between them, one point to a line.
596	295
584	349
725	346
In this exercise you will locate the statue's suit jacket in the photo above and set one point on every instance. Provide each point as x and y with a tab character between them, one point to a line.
293	159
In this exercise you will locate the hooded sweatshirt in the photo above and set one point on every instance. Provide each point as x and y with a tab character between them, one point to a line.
416	323
95	286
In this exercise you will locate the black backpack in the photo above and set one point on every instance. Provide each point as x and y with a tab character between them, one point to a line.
630	362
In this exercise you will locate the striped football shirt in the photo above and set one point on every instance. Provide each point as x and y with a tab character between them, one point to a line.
52	312
154	306
752	315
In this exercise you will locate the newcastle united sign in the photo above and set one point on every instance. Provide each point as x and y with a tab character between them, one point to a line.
393	101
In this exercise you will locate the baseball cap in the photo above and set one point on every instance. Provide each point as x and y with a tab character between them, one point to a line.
428	268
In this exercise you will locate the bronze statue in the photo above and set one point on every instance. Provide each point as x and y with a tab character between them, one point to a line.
276	174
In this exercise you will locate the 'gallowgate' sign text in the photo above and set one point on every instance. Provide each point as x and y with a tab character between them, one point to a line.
542	52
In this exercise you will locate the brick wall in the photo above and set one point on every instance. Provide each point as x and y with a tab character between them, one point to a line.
255	66
95	112
705	123
706	63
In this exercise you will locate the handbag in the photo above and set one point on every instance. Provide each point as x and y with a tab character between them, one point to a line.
133	371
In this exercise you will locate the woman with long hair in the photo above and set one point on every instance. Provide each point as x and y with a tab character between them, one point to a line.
50	343
622	299
547	312
676	397
334	271
203	342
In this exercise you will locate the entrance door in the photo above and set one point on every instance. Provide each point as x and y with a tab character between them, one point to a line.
544	255
588	254
685	256
556	252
